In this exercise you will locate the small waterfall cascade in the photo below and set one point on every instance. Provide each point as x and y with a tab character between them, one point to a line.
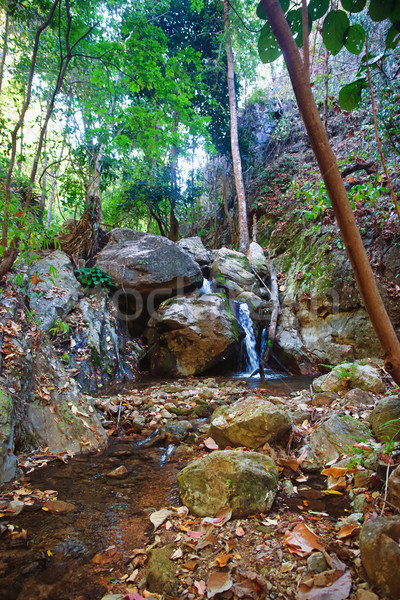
249	342
207	287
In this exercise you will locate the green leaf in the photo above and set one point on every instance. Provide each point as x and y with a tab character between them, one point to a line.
395	15
355	39
295	20
379	10
392	38
317	9
350	95
268	47
334	29
354	6
261	12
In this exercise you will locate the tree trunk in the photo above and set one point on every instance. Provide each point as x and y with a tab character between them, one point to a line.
336	190
5	48
226	209
14	135
244	239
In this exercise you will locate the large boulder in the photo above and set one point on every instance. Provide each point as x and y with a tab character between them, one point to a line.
335	437
190	335
195	247
385	418
53	289
148	263
245	482
380	554
231	272
394	487
250	422
348	376
40	404
99	351
257	259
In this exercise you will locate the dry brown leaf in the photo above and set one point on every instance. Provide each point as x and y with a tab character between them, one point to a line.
301	540
222	517
222	559
239	531
190	565
337	472
218	583
177	554
348	531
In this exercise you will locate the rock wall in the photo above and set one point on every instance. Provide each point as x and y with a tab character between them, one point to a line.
323	320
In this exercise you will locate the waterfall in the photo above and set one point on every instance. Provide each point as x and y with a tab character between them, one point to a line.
207	287
249	342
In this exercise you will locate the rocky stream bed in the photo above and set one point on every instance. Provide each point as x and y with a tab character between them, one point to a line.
112	524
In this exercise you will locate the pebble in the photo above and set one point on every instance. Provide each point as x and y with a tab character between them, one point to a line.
119	473
316	563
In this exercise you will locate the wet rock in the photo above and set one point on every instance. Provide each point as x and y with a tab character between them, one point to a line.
146	263
385	418
59	506
160	573
119	473
316	563
362	479
380	554
231	272
334	437
177	431
57	290
190	335
357	397
195	247
348	376
366	595
257	259
394	487
245	482
250	422
203	410
17	507
8	460
323	399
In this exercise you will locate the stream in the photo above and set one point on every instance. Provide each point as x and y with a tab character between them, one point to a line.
64	556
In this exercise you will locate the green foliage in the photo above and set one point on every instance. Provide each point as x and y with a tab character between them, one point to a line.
94	276
60	328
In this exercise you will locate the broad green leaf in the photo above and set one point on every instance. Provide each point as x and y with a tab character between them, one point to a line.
395	15
261	12
355	38
334	29
268	47
295	20
317	9
379	10
350	95
392	38
354	6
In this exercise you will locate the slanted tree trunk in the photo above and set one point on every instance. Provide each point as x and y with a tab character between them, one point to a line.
244	239
336	190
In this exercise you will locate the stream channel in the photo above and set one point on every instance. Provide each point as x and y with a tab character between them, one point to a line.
54	560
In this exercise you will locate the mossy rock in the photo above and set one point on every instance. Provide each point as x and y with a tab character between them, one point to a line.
245	482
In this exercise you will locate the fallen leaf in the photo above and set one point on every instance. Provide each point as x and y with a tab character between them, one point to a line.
158	517
133	575
337	472
218	583
223	559
190	565
301	540
196	535
239	531
200	587
211	444
348	530
330	585
177	554
222	517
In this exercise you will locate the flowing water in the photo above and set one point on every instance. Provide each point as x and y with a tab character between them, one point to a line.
57	562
